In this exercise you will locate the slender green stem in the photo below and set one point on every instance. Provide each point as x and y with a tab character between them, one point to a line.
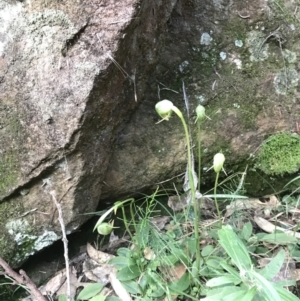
199	165
191	181
199	156
126	224
132	216
216	202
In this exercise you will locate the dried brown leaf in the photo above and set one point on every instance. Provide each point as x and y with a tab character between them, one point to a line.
99	256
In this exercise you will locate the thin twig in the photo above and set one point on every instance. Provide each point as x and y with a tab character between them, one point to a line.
65	242
22	279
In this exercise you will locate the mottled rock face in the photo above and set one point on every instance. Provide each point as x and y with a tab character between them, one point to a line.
238	58
62	100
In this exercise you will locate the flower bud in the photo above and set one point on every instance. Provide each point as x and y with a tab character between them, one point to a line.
219	160
105	228
164	109
200	112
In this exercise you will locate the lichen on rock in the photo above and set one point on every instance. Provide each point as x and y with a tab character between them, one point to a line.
285	80
27	243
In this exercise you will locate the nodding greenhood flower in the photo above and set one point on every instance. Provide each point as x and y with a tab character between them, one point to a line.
105	228
164	109
219	160
200	112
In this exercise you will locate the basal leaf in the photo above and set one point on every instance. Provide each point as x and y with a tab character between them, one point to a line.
90	291
229	269
157	293
121	261
113	298
123	252
222	280
234	296
214	262
235	248
247	231
132	287
98	298
128	273
285	295
266	287
180	285
217	294
249	295
278	238
274	266
207	250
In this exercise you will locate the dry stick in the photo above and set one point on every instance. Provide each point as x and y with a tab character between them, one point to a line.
65	242
22	279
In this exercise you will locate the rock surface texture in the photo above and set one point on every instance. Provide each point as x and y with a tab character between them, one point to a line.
240	60
62	102
79	81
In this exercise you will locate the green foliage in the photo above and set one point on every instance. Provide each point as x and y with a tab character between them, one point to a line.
224	269
280	154
249	283
91	292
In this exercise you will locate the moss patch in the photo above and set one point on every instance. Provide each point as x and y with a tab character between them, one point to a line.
8	211
280	154
10	149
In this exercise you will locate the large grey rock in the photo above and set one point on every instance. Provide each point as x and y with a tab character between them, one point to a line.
62	101
239	59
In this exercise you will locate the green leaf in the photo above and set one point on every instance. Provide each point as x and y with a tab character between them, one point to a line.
125	252
143	281
181	256
218	294
142	233
169	260
190	245
235	248
157	293
113	298
214	262
98	298
285	295
294	252
62	298
207	250
226	279
250	294
234	296
267	288
121	261
278	238
128	273
195	269
274	266
132	287
90	291
229	269
180	285
247	231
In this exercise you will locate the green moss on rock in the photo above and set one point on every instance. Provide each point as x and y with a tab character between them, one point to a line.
280	154
11	148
